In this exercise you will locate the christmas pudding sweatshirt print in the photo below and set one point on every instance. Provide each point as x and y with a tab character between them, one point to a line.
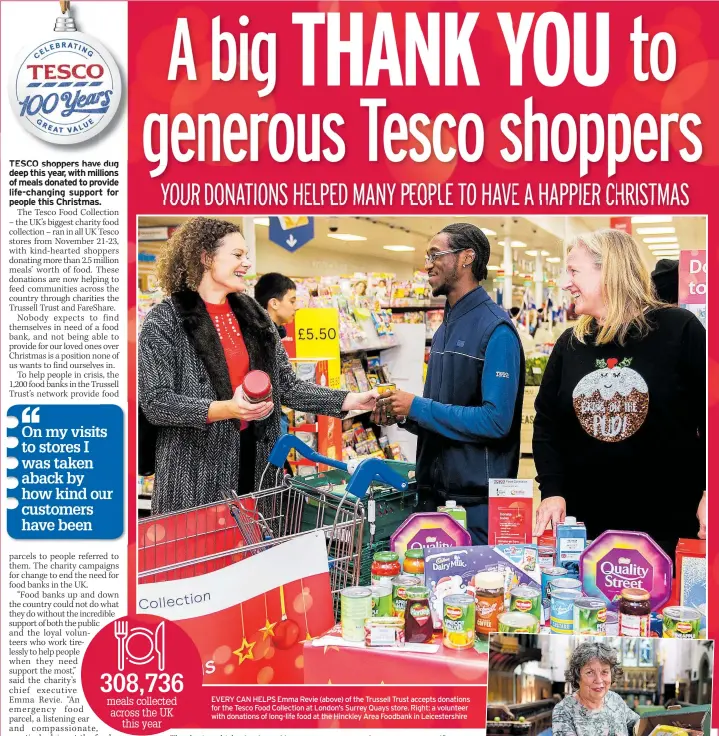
620	429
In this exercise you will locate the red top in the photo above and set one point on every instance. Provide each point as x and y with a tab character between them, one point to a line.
233	344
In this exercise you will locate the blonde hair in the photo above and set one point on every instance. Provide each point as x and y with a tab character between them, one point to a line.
627	287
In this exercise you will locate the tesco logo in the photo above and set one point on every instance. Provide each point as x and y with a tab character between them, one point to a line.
66	71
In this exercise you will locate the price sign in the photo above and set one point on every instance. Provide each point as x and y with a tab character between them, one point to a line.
317	333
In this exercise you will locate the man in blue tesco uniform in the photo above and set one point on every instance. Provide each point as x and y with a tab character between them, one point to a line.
468	421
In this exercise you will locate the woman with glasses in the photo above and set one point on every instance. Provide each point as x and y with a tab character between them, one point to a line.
194	351
468	420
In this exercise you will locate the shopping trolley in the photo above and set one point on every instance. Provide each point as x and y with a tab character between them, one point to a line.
203	539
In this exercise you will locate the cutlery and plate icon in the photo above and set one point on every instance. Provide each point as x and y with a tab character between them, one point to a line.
139	645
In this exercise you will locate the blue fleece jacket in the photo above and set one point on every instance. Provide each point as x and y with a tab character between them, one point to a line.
468	421
493	418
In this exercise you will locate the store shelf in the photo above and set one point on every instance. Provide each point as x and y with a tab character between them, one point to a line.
418	307
357	413
144	503
305	428
369	348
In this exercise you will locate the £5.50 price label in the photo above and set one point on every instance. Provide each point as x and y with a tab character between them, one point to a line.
317	333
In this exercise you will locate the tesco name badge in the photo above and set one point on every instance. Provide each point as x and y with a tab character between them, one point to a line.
67	88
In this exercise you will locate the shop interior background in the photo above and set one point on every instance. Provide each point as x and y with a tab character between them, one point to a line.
351	255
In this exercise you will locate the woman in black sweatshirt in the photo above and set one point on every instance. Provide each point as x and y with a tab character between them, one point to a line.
619	435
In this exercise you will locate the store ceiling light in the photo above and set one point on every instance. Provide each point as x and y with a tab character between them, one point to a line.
554	259
655	231
518	244
399	248
545	252
494	268
489	233
264	221
530	252
662	253
666	246
667	258
651	219
347	237
665	239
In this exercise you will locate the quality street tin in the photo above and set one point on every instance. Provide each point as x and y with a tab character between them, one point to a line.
590	617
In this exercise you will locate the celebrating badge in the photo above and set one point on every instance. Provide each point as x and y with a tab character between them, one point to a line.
67	88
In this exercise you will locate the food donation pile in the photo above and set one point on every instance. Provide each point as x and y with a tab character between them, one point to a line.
435	586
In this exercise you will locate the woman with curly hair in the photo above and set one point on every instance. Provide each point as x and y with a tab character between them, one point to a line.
194	351
593	709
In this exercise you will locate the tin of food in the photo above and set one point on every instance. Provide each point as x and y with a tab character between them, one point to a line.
561	610
526	599
381	600
566	583
516	622
355	609
385	388
681	622
384	631
548	575
590	617
458	621
399	592
612	623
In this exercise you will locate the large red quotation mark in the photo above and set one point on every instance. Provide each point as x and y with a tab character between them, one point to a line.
66	71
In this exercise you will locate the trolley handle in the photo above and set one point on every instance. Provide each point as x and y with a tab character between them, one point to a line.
288	442
363	470
366	470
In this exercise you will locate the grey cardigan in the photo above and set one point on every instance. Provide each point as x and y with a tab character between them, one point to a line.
182	370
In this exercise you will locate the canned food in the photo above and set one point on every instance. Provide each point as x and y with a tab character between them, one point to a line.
549	574
516	622
355	609
381	600
656	624
399	592
384	631
385	388
612	623
590	617
681	622
526	599
458	621
563	584
561	610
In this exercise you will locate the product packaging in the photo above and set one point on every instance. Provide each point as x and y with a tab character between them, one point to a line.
510	511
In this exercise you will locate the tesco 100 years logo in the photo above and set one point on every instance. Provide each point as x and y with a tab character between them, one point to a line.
66	90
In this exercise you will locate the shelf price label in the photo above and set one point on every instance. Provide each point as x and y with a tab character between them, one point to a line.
323	333
317	337
317	333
